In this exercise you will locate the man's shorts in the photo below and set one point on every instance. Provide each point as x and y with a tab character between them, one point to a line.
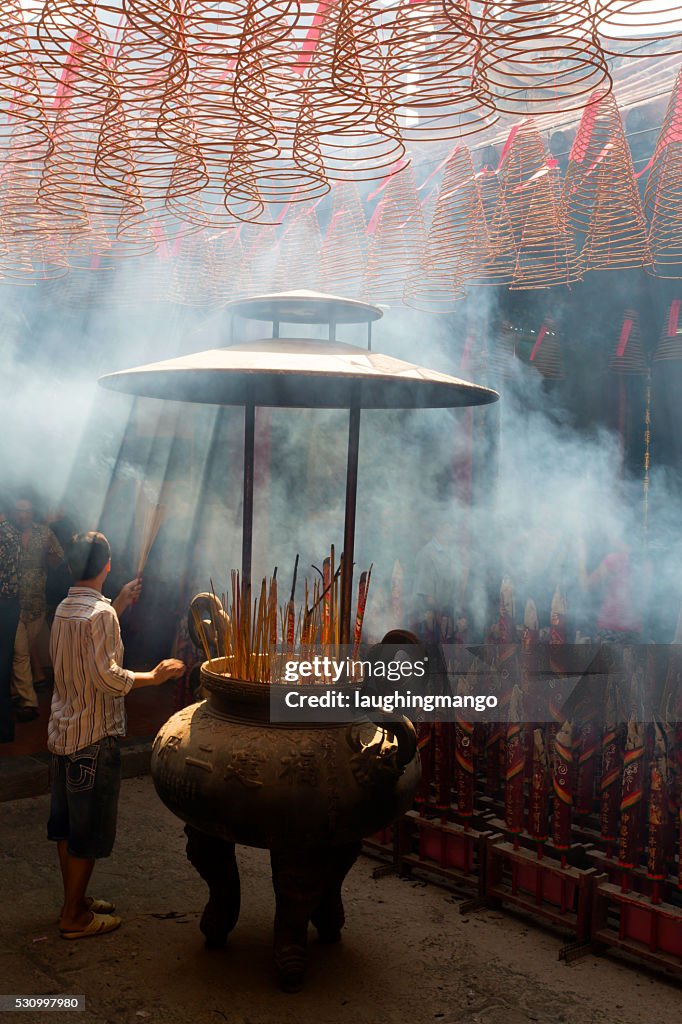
85	788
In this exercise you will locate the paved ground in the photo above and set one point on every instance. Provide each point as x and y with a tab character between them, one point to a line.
408	956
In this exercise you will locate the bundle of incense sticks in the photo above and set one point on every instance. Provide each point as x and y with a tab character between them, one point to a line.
246	635
152	524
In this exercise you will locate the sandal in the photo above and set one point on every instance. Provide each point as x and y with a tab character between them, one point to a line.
99	925
97	906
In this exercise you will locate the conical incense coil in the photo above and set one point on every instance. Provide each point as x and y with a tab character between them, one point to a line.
628	354
228	261
25	120
663	193
344	250
498	268
260	247
355	119
431	71
457	246
151	69
546	354
396	239
300	248
600	191
529	185
670	342
194	272
639	28
78	55
540	57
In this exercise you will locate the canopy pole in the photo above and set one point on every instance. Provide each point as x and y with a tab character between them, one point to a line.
247	500
349	525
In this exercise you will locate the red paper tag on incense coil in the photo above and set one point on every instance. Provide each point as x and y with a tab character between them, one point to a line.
624	337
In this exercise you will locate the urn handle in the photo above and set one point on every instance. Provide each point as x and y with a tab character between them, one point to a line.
404	732
206	614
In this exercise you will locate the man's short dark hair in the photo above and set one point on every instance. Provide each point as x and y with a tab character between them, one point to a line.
88	554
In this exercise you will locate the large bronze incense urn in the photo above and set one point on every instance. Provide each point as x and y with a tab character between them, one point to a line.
308	793
225	769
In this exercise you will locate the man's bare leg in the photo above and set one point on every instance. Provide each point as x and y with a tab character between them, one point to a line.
76	872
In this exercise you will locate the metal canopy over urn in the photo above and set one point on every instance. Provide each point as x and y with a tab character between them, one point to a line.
307	793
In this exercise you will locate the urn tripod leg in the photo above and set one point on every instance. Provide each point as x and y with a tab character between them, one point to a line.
329	916
298	878
216	862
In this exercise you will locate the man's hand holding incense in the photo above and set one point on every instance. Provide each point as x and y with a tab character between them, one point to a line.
128	595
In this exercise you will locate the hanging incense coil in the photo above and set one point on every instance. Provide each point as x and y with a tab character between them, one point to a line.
669	346
151	69
539	57
457	246
529	186
600	191
300	247
344	250
353	114
546	354
628	355
396	239
498	268
260	246
227	267
663	193
194	271
24	122
432	71
638	28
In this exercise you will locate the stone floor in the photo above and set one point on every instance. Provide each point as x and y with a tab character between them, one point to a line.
408	955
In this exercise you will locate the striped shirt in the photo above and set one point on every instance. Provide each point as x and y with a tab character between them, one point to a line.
89	682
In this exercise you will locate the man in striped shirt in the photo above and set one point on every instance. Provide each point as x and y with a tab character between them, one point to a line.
86	720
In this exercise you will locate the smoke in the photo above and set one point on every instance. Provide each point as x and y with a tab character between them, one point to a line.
527	483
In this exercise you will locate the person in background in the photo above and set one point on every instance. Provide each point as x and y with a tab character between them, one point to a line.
10	552
87	719
39	549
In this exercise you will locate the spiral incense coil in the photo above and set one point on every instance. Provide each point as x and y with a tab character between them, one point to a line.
546	354
501	354
151	71
260	246
670	343
228	260
457	246
529	186
600	191
300	247
539	57
639	28
628	355
24	118
498	268
354	116
663	193
344	250
432	72
396	239
77	55
194	272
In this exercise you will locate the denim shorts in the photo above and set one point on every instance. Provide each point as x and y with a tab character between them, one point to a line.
85	788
